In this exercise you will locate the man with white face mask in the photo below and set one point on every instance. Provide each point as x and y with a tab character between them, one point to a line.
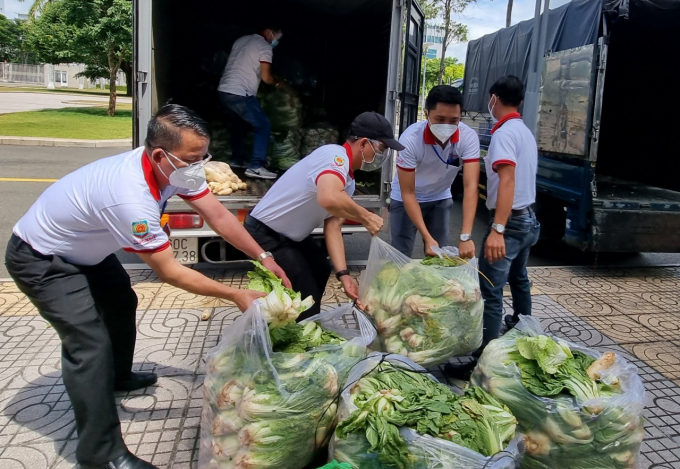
317	191
435	152
61	257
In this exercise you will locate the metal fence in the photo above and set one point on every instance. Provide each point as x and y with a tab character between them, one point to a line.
23	73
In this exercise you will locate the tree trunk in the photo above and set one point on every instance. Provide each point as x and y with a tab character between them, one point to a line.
126	67
508	16
114	64
447	31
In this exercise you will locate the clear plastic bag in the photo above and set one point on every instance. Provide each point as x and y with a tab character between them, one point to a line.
605	432
429	313
427	452
266	409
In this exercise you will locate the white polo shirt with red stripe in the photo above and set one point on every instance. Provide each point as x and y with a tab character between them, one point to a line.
428	159
290	207
110	204
512	143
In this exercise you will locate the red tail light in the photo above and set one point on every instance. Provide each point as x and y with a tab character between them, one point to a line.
182	221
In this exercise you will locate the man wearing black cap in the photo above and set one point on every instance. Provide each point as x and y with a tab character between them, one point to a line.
318	191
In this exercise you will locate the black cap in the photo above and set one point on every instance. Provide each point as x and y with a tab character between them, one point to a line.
374	126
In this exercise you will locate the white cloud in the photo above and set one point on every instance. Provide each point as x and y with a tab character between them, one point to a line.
486	16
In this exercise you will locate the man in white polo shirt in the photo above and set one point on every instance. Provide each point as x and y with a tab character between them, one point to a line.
249	63
318	191
435	152
61	257
510	166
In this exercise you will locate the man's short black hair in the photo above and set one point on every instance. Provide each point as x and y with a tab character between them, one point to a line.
165	128
443	94
509	89
273	26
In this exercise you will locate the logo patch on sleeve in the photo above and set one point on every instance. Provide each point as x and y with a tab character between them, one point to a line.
140	228
339	161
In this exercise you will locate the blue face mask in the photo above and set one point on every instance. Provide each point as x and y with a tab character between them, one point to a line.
275	43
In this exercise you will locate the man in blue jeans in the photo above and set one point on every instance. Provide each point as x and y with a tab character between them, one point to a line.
511	191
249	63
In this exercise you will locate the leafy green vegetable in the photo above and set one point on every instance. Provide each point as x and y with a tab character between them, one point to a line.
427	310
442	261
569	405
390	398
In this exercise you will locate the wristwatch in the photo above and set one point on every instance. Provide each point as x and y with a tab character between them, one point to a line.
265	255
465	236
341	273
500	229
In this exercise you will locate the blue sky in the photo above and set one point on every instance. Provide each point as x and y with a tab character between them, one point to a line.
487	16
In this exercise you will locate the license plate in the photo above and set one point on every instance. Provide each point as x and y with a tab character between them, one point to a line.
185	249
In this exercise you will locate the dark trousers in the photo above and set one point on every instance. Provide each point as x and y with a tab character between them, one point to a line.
92	308
304	262
245	112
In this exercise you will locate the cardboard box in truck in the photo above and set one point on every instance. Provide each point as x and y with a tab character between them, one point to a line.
342	57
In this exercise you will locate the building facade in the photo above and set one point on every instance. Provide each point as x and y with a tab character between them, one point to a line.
14	9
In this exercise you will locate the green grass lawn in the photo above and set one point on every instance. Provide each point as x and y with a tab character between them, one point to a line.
82	123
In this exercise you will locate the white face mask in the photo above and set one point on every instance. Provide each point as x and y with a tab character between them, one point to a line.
187	177
490	108
443	132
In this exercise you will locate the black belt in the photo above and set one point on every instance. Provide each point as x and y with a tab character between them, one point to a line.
515	213
256	224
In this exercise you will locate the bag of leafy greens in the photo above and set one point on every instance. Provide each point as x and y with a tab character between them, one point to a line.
578	408
428	310
393	414
271	386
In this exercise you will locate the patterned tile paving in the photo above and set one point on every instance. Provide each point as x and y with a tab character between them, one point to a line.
634	312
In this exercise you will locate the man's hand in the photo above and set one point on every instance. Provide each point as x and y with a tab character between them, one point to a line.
429	244
351	286
466	249
494	250
276	269
373	223
244	298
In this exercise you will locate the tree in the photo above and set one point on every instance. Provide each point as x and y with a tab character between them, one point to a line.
452	71
97	33
11	38
508	14
37	7
453	31
430	8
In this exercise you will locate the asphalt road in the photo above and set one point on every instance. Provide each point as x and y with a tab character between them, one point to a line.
22	162
20	101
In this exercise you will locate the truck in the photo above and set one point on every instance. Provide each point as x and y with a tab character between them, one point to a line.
348	57
608	165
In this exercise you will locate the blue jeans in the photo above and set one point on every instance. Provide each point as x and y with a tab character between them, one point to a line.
246	111
436	216
521	233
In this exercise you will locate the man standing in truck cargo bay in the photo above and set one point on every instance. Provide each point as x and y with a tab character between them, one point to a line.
511	166
318	191
249	62
436	151
61	257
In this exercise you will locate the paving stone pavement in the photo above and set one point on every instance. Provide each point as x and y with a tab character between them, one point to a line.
633	312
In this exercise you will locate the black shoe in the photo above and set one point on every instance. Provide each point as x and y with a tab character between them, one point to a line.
511	321
126	461
136	381
461	372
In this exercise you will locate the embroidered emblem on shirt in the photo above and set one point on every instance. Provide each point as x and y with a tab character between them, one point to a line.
140	228
339	161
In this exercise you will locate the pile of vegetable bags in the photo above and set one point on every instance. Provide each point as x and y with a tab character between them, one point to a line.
578	408
284	110
272	385
394	415
428	310
221	179
317	135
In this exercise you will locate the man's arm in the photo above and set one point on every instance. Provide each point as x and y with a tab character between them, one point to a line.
225	224
332	197
407	183
470	197
267	76
332	231
495	243
172	272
